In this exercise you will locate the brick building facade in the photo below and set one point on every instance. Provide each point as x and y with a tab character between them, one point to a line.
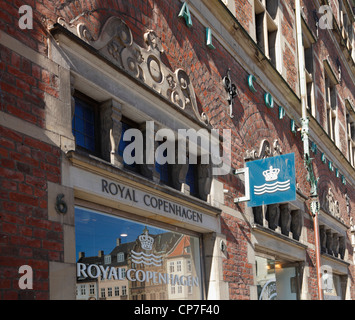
85	72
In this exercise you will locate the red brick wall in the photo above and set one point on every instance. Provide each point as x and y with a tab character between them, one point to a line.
26	235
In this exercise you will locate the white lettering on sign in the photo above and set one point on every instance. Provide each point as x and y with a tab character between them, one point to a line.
94	271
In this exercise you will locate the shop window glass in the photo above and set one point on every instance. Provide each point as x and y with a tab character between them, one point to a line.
276	280
150	251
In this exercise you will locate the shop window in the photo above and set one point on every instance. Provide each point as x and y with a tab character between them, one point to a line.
154	256
276	279
85	124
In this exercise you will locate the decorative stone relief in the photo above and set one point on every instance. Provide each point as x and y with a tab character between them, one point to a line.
330	204
116	43
266	149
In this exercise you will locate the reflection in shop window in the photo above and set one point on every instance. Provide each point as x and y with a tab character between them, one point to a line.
140	265
276	280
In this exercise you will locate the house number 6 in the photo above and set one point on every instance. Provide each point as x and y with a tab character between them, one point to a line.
60	205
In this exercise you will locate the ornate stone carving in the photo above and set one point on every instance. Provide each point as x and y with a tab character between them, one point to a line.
204	172
273	215
323	239
335	244
342	247
265	150
111	131
285	219
258	215
147	169
329	242
296	224
116	43
178	173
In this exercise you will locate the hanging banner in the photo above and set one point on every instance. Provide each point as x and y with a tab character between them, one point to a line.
272	180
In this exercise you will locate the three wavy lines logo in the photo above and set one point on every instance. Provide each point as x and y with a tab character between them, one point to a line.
147	259
270	176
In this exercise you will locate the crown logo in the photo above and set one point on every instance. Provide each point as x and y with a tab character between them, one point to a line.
146	240
271	174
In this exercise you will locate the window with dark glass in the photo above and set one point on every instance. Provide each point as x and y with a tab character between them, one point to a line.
85	124
163	170
191	179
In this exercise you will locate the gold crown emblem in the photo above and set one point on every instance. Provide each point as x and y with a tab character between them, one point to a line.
271	174
146	240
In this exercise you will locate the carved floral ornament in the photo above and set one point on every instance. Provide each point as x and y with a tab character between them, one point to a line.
116	43
266	149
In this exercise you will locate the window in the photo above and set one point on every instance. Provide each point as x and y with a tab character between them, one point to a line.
276	279
308	41
120	257
107	259
350	130
92	289
85	124
83	289
350	126
191	179
331	107
266	28
126	125
117	291
148	249
230	4
163	170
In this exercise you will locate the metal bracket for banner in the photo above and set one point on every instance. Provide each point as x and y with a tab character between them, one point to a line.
246	198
